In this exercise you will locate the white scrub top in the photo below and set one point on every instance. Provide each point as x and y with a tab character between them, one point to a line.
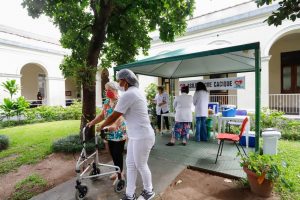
133	105
200	100
159	99
183	108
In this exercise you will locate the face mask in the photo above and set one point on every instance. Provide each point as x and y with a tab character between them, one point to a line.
110	94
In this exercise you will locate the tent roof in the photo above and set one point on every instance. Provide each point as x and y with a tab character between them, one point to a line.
198	61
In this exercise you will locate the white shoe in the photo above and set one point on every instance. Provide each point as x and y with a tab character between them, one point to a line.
146	195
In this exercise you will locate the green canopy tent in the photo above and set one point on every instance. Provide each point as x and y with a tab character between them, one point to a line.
210	60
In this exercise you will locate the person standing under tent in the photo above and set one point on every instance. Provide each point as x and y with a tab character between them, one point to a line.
200	100
133	106
162	106
183	116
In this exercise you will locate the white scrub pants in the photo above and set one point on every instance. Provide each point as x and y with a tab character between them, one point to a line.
137	160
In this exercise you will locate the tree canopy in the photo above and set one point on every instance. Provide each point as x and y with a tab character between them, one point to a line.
113	31
289	9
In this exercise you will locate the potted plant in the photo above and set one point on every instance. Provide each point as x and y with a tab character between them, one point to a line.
262	173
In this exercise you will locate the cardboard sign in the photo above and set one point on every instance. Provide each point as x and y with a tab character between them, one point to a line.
232	83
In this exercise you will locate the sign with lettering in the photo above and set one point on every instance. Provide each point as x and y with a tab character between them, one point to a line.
232	83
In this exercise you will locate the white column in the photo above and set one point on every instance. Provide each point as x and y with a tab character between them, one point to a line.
246	97
55	91
265	81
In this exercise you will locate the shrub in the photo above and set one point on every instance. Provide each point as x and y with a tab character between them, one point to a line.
73	144
151	91
4	142
47	113
272	118
73	111
290	129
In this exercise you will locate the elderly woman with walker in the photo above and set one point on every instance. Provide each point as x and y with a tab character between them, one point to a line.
116	136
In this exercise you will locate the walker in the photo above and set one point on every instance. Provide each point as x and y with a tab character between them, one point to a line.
91	164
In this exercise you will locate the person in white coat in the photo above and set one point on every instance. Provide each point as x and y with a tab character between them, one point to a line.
132	105
183	117
162	106
200	100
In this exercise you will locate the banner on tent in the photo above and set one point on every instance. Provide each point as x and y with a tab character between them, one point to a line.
232	83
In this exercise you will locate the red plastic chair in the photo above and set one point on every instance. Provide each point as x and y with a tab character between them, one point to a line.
231	137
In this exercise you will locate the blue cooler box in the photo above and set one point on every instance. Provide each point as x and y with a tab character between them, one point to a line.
228	112
251	140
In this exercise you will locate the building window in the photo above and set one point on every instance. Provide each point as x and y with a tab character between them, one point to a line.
290	72
220	96
218	92
42	84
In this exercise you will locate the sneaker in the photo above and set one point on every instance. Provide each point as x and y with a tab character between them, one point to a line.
126	197
146	195
170	144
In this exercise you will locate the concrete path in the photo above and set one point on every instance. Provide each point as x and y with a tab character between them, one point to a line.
165	164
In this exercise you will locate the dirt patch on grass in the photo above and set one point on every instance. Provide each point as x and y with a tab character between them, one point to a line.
9	158
195	185
55	169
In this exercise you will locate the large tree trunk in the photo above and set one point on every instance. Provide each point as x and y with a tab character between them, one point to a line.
96	43
88	107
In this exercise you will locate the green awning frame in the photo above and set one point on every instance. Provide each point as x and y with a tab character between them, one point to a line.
180	64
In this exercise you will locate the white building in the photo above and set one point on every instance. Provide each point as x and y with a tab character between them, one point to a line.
33	60
241	22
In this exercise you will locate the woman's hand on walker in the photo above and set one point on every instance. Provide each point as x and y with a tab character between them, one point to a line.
89	124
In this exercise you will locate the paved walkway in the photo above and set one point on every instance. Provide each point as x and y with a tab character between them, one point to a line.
165	164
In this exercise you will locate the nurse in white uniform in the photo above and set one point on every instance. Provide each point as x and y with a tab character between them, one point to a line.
132	105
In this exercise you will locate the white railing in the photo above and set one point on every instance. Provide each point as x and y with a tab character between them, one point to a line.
224	99
35	103
287	103
71	101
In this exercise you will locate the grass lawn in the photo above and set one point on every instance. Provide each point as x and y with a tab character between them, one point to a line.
31	143
289	151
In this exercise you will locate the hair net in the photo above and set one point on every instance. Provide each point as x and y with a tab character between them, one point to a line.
129	76
112	85
185	89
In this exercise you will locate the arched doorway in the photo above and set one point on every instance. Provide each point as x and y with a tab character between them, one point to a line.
284	74
34	80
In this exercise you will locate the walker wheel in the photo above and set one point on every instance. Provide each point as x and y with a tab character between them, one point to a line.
95	172
81	192
119	186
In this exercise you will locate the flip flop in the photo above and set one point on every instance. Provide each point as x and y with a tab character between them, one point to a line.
170	144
